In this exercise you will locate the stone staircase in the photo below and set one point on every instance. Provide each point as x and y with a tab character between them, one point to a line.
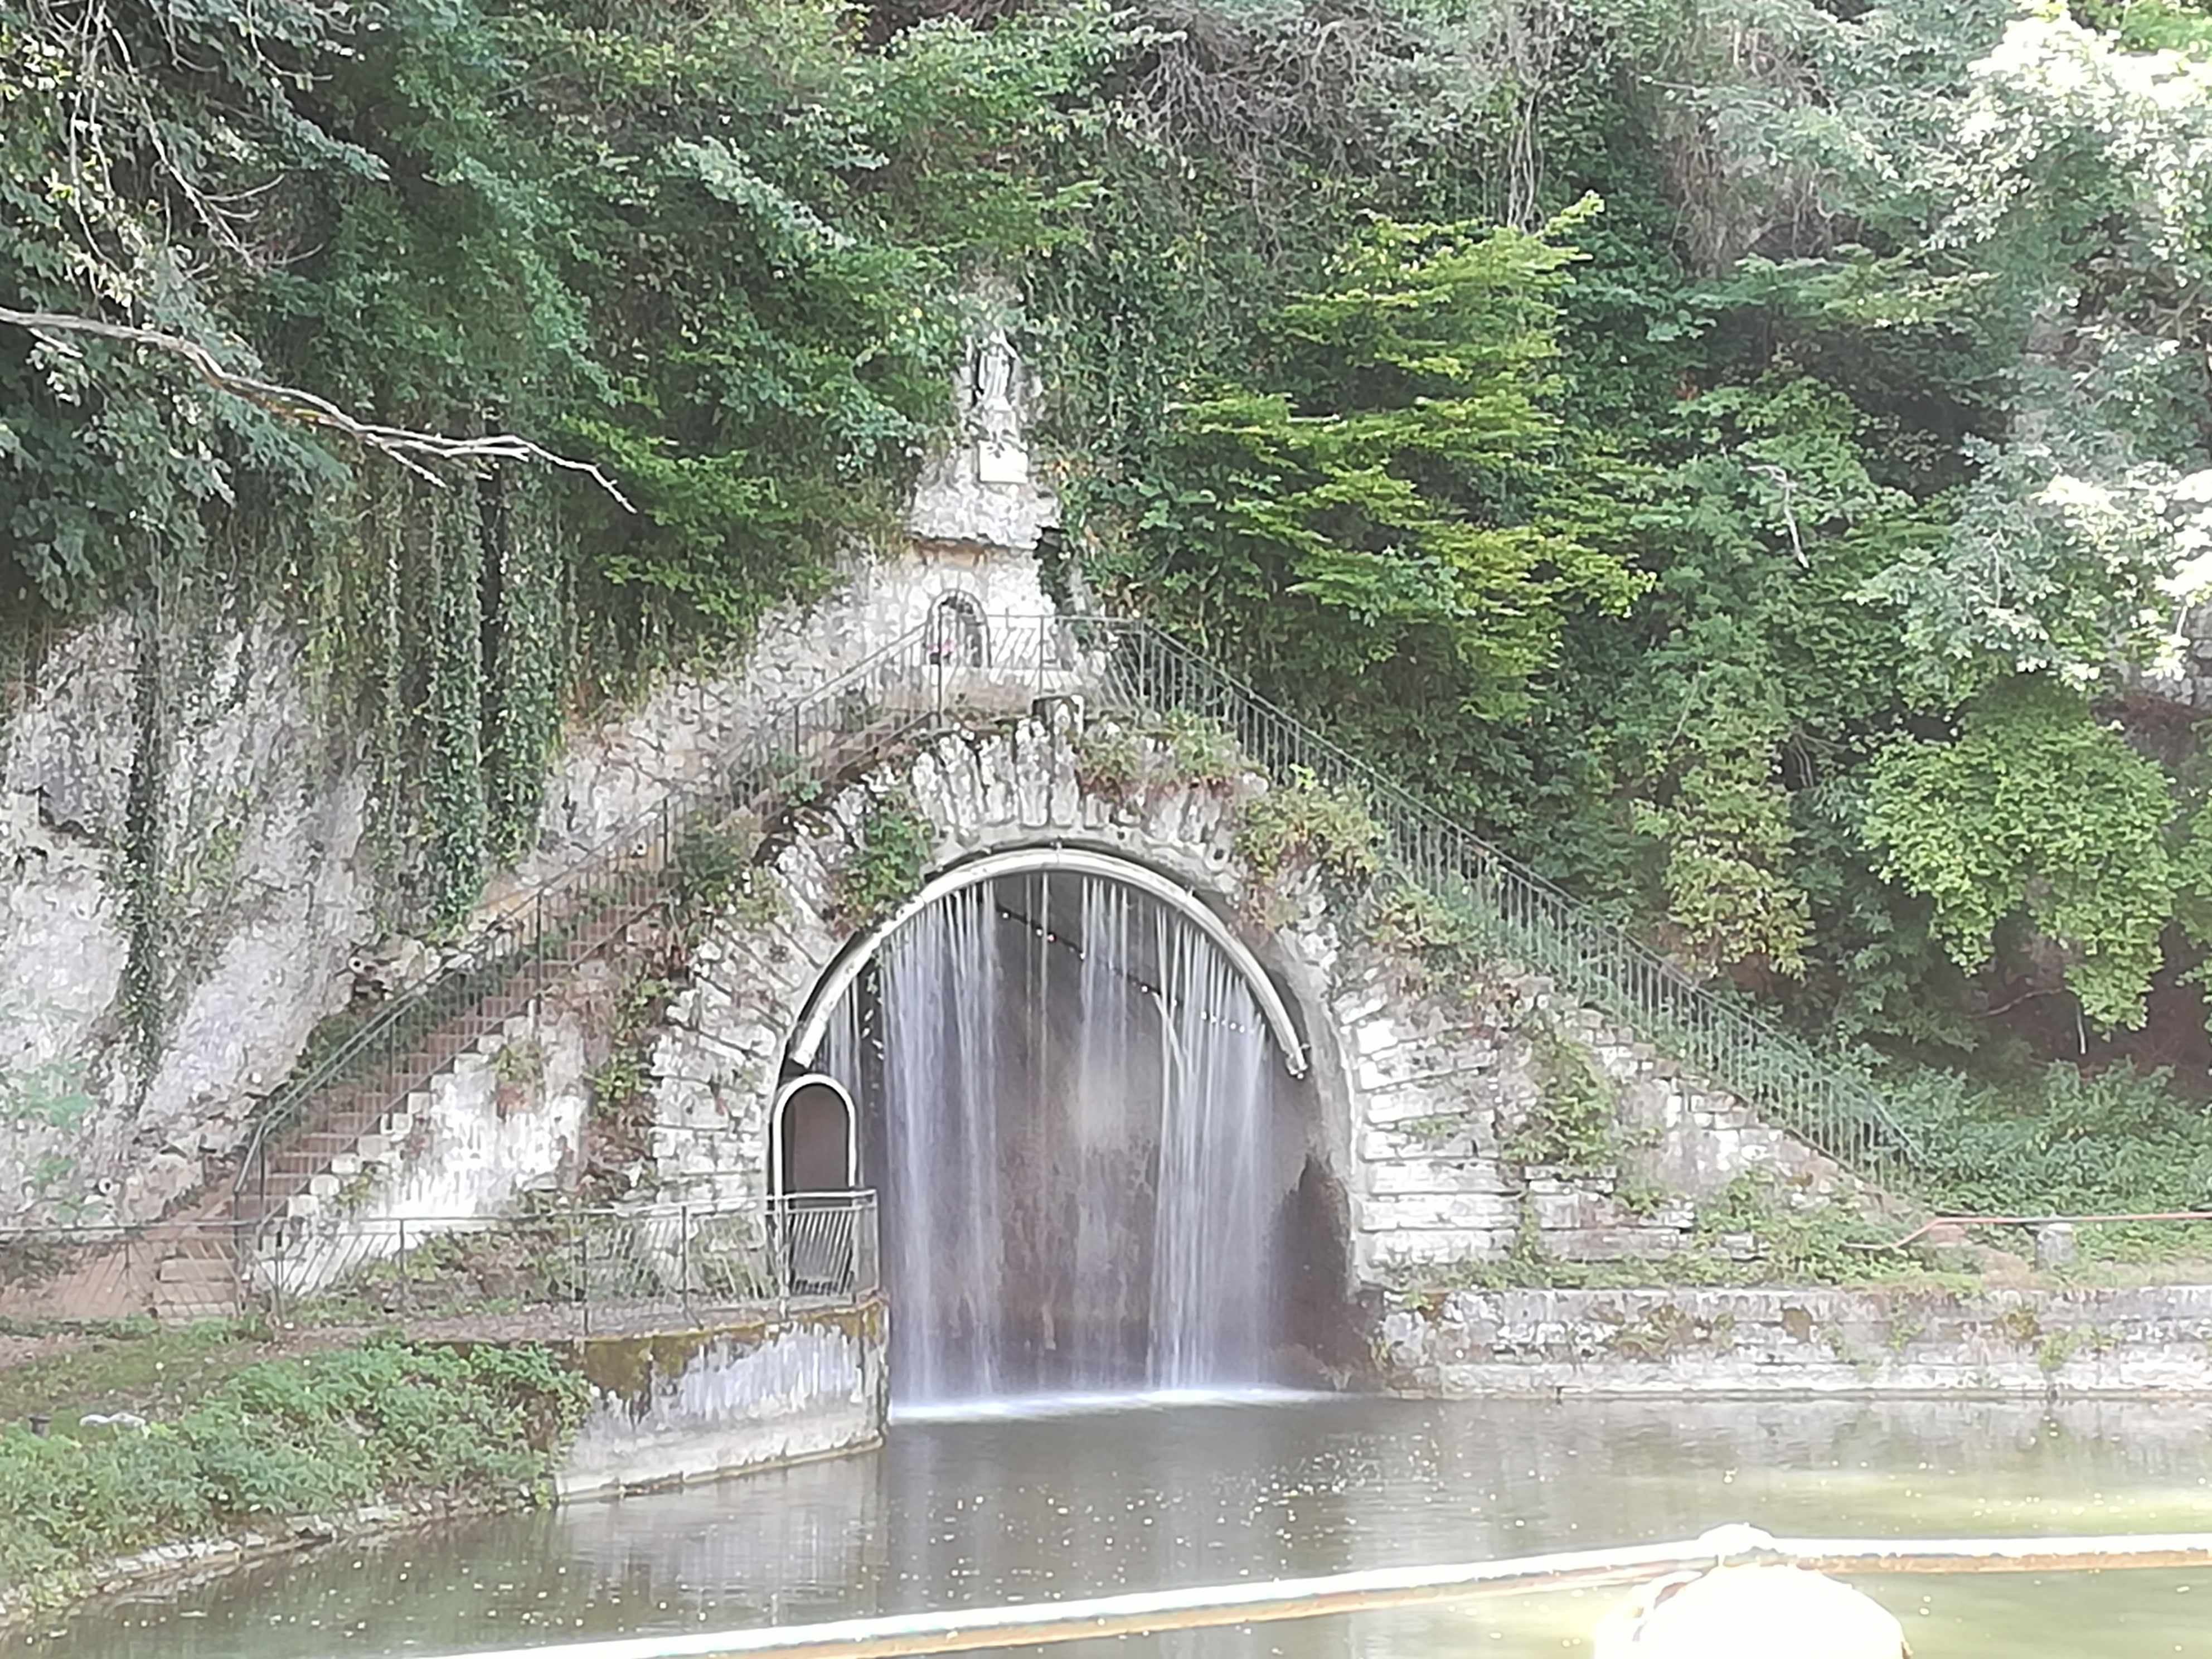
197	1278
354	1116
362	1126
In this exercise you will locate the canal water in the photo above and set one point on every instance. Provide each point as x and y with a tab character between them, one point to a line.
1038	1505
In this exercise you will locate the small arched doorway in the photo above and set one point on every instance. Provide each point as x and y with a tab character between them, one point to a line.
957	635
813	1167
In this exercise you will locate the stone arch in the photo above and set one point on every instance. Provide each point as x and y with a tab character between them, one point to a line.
748	1020
1418	1081
814	1016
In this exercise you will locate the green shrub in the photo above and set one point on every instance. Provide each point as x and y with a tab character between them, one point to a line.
1307	824
888	865
285	1437
2055	1142
1575	1120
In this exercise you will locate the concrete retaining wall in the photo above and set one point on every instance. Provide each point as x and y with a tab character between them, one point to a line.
750	1394
1905	1341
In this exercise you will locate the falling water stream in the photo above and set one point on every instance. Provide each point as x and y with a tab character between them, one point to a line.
1084	1137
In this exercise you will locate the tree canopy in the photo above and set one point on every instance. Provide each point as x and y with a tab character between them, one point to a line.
1747	457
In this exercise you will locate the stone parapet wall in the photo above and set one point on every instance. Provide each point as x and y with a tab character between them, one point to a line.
686	1405
1809	1341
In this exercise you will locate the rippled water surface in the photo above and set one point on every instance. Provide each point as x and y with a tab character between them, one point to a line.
1018	1507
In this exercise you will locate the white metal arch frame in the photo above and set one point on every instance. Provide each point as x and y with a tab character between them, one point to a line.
814	1018
783	1099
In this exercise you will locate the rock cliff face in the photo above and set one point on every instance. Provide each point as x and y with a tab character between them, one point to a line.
258	844
255	826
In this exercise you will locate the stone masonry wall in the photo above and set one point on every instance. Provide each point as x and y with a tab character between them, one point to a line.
266	834
1443	1082
689	1406
1418	1093
1558	1343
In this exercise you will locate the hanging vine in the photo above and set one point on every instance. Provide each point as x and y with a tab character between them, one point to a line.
453	804
526	652
139	853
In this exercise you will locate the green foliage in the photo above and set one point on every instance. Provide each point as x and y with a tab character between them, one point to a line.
1574	1121
288	1437
887	864
1110	760
1399	487
1303	824
1805	1242
1695	549
2037	809
520	1064
1201	751
452	801
2056	1142
1728	837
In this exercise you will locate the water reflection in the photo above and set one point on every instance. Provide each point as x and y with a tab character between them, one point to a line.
1050	1507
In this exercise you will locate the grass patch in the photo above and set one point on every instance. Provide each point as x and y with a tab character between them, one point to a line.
319	1434
150	1371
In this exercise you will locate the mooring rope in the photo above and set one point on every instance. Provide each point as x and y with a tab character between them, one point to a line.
968	1630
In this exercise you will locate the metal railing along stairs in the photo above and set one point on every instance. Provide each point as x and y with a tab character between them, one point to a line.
371	1087
1518	916
356	1104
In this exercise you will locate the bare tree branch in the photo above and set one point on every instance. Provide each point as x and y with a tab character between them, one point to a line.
407	447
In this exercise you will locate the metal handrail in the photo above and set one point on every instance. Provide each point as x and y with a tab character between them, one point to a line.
1522	914
969	1630
782	735
1819	1097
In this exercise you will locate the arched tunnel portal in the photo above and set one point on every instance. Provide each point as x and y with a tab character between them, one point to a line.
1086	1103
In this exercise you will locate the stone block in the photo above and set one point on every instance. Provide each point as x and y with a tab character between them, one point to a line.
1611	1243
1472	1136
1417	1176
1382	1213
1379	1255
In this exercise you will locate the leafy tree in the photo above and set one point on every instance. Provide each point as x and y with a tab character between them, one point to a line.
2038	811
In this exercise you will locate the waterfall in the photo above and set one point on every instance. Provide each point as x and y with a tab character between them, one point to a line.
1209	1231
1077	1128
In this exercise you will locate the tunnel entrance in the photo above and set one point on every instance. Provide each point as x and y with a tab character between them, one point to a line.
1090	1152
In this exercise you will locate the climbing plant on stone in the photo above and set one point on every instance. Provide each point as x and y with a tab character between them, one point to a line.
888	861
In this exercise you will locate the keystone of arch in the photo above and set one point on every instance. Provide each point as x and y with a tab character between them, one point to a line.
822	1002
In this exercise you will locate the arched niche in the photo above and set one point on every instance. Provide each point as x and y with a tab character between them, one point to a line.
814	1138
958	635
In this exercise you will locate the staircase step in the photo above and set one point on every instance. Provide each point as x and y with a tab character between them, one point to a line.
211	1244
191	1313
195	1272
